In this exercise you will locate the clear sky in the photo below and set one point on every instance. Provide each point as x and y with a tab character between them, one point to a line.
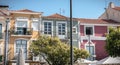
81	8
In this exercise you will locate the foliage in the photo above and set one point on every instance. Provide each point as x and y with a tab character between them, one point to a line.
54	51
113	42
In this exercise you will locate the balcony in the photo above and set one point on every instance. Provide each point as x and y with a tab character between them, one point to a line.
21	31
1	35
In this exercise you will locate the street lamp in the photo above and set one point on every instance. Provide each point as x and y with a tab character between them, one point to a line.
71	45
6	42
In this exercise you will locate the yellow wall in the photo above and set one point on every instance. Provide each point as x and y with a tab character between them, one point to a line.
12	39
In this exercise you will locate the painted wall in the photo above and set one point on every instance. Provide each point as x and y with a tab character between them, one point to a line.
13	37
100	31
97	40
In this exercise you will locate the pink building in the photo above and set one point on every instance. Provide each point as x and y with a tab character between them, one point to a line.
95	41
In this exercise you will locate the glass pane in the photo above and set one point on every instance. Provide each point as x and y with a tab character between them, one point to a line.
0	28
49	24
63	24
45	32
49	32
45	23
21	44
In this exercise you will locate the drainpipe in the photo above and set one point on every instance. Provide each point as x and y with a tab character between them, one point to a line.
6	43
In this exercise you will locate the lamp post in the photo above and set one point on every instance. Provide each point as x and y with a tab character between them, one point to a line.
6	42
71	45
89	47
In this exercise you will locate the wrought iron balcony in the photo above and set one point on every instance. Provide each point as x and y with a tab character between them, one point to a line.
21	31
1	35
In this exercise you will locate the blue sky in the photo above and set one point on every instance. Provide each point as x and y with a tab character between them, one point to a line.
81	8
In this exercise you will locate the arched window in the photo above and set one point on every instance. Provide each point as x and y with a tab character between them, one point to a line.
21	43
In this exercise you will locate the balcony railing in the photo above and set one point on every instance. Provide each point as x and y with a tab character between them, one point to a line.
21	31
1	35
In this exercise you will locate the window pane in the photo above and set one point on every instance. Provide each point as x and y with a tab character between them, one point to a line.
35	26
89	30
47	28
21	44
61	28
0	28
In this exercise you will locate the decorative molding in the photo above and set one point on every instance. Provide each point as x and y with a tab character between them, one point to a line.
92	38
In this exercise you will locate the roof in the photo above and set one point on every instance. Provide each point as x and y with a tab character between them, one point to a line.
117	8
4	12
97	21
56	16
24	11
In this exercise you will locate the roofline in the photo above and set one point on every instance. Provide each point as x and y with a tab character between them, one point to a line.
108	24
27	12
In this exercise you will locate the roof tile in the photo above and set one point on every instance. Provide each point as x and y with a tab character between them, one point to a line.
98	21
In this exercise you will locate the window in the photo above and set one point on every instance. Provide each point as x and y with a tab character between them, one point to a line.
21	44
0	31
74	30
61	28
47	28
90	49
89	30
35	26
21	27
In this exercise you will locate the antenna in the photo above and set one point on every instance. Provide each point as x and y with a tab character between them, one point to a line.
62	11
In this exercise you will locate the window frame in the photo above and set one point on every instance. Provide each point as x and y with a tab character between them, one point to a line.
75	30
26	46
36	26
89	26
61	23
91	44
51	27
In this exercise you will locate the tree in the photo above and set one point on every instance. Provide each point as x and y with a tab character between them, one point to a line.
113	42
54	51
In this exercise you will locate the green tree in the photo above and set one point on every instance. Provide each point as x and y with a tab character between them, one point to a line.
113	42
54	51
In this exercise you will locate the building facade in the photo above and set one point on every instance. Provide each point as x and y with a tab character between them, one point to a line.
24	28
26	25
93	35
59	26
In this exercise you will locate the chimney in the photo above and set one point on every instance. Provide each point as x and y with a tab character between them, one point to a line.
111	5
2	7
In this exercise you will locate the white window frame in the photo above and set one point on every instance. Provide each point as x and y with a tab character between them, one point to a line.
75	30
37	26
51	27
91	44
89	26
15	46
62	36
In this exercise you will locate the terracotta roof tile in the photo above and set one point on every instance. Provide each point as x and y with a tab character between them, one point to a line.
25	11
57	16
4	12
117	8
98	21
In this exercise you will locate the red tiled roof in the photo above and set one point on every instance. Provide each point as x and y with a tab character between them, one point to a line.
4	12
98	21
117	8
24	10
58	16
